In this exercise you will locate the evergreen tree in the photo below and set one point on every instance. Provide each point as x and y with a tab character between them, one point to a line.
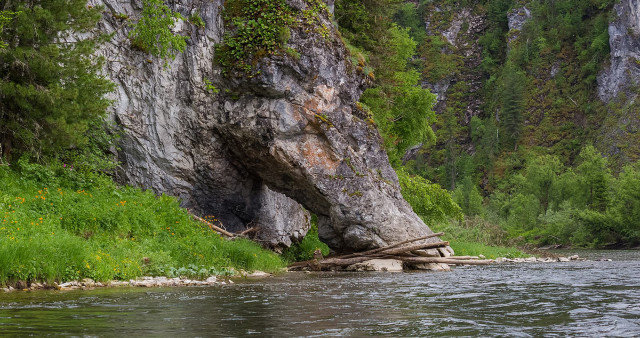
512	104
51	91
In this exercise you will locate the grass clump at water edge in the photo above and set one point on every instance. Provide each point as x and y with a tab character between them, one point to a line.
60	224
304	250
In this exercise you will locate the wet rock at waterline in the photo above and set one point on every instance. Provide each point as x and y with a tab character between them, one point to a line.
386	265
262	150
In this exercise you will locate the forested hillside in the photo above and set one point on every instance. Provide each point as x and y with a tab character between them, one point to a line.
523	135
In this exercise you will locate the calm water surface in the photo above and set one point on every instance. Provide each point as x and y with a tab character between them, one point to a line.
593	298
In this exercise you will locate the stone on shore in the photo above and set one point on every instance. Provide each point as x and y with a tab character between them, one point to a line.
389	265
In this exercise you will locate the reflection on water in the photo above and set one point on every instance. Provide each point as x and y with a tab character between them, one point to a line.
594	298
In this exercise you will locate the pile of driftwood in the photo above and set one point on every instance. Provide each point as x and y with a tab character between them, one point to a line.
404	251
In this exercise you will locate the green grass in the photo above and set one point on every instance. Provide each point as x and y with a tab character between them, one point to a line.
463	248
476	236
58	224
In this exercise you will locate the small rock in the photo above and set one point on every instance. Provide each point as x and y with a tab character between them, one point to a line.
530	259
563	259
391	265
258	274
211	280
88	282
432	267
574	257
482	256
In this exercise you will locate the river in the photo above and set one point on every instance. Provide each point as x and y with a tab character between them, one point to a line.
585	298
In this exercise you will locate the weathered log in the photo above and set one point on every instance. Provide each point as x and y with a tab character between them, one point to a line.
336	261
212	226
419	260
463	257
248	231
373	251
405	249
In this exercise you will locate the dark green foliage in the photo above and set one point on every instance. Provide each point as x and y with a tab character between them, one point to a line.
152	33
412	17
5	18
512	105
494	42
365	23
51	92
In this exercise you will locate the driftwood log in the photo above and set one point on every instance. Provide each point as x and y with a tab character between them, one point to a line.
212	226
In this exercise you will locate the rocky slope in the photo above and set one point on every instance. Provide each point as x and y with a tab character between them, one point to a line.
264	150
556	103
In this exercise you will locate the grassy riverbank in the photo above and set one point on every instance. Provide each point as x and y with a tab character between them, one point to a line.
58	224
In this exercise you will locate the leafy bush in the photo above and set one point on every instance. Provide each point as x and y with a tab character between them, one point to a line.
152	33
428	200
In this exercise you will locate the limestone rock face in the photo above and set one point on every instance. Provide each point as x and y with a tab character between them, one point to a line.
517	18
624	40
263	150
618	83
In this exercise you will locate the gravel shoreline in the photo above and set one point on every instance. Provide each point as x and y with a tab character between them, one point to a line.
148	282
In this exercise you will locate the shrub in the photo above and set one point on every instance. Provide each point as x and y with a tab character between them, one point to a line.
152	33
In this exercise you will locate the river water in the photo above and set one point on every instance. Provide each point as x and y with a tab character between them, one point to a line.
584	298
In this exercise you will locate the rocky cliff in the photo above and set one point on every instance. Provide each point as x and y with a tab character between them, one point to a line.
624	40
263	150
618	84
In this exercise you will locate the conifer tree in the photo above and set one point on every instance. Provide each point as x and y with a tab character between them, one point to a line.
512	104
51	91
